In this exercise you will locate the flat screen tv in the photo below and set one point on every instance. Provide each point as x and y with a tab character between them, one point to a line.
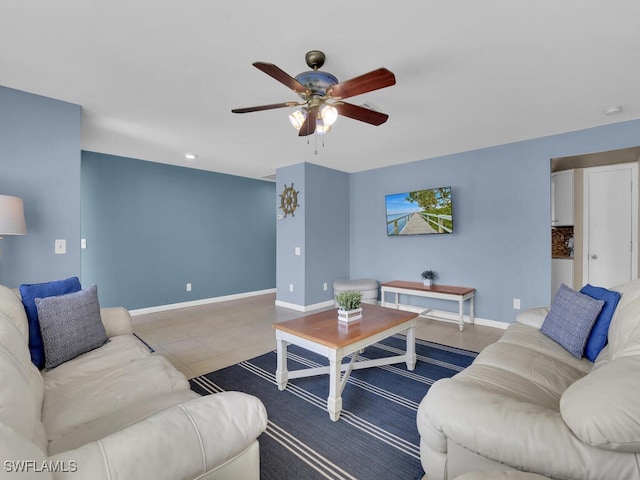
421	212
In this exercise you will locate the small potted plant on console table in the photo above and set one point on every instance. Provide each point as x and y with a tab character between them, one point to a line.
428	276
349	308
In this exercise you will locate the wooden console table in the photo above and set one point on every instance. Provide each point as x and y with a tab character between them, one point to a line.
443	292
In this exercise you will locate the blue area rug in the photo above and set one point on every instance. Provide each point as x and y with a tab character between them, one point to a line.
376	436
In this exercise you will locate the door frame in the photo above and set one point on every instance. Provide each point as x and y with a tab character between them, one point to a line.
634	215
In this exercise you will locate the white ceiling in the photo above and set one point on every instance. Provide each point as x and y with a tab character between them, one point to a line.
158	78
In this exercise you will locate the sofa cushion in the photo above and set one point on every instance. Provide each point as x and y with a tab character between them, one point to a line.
598	336
85	399
119	351
571	319
17	449
511	431
533	317
603	408
532	339
12	309
538	369
624	331
500	475
20	400
195	439
114	422
29	293
70	325
12	340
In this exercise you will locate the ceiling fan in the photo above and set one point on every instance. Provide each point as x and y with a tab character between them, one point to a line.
322	95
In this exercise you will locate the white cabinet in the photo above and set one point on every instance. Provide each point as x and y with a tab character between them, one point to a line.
562	198
561	272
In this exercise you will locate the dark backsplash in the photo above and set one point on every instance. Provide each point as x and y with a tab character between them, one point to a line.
559	241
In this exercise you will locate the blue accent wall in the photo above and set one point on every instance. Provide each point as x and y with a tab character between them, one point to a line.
40	162
291	234
320	227
501	207
152	228
327	231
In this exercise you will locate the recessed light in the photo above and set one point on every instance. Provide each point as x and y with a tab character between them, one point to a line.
190	156
613	110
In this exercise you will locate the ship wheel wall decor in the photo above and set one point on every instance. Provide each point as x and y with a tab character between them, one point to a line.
289	200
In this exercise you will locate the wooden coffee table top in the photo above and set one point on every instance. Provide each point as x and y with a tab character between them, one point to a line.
324	327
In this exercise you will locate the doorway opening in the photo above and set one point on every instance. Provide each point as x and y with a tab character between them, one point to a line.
571	245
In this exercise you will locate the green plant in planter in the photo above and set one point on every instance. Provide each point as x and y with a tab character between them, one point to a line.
428	275
349	300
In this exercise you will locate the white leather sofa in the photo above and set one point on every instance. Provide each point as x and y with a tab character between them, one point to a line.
116	412
527	404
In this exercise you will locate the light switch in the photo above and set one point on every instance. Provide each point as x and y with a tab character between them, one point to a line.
83	243
298	251
60	247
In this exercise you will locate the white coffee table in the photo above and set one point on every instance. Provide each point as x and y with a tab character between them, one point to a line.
321	333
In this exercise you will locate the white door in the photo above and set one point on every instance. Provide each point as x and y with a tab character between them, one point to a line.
610	224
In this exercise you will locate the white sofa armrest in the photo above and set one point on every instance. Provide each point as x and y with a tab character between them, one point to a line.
533	317
516	433
117	321
182	442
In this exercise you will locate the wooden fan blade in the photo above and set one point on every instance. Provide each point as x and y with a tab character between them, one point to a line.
360	113
281	76
309	125
264	107
368	82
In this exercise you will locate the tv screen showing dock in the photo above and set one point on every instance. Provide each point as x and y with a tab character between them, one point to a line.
421	212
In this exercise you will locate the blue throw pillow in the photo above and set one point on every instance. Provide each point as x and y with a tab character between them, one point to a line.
598	336
29	293
571	319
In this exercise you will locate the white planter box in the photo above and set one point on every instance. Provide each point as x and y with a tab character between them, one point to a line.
349	315
427	282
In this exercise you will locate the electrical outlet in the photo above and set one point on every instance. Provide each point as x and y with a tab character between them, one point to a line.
189	287
516	304
324	286
291	287
60	247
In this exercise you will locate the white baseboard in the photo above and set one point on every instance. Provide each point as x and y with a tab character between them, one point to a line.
304	308
204	301
451	316
437	314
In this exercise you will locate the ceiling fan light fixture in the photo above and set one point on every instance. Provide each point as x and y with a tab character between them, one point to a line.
323	96
329	114
297	118
322	127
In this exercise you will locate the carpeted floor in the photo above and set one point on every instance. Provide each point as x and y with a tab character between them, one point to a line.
376	436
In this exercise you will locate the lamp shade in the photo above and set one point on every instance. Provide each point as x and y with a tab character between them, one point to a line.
12	216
